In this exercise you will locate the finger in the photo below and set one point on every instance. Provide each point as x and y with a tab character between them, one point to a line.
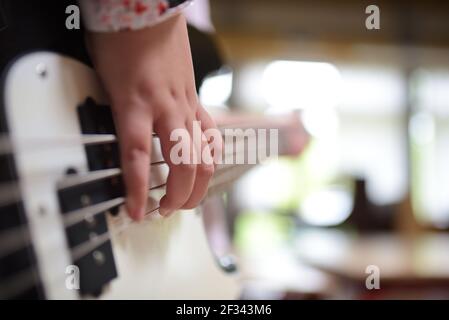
204	172
177	149
134	124
212	134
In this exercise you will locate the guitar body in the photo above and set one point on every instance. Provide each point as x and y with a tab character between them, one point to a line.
170	259
161	258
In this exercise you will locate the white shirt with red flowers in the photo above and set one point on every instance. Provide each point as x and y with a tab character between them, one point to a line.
118	15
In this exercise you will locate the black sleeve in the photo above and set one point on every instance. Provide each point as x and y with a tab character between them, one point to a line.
38	25
2	16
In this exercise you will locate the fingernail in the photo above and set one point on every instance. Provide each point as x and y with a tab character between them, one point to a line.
134	212
163	212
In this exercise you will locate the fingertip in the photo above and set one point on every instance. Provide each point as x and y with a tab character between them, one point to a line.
136	183
163	209
135	212
163	212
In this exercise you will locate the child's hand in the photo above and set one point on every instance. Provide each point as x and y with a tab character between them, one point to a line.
148	75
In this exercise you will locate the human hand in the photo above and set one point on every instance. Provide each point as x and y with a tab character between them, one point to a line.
148	75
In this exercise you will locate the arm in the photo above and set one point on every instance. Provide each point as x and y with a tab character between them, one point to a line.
148	75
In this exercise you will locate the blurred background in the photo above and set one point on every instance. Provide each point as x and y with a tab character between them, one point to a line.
372	187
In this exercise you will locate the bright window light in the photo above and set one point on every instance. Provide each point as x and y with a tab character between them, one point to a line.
321	122
422	128
372	90
216	90
432	92
327	207
291	85
254	192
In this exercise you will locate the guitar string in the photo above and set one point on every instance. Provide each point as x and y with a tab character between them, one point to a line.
86	247
88	244
17	238
87	213
6	147
7	243
7	143
29	277
10	191
108	235
77	216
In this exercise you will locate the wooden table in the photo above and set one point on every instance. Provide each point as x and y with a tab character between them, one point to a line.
409	268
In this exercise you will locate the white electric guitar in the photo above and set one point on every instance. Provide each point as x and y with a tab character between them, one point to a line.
61	196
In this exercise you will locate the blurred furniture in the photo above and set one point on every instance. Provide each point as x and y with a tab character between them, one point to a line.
409	267
277	274
367	216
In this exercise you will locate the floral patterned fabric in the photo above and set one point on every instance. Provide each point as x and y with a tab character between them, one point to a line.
117	15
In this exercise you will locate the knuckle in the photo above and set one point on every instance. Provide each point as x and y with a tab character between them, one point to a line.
123	102
135	140
206	170
147	88
192	106
135	146
170	110
188	167
192	96
134	152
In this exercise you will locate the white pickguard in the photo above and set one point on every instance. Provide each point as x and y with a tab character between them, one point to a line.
166	258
